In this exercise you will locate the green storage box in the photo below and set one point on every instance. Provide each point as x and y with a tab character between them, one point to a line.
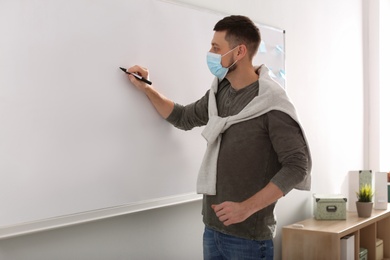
388	192
329	206
363	254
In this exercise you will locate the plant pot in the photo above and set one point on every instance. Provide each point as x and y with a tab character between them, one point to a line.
364	209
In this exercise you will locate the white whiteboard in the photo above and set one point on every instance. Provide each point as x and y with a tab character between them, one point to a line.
75	136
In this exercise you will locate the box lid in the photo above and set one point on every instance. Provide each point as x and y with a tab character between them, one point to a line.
329	197
379	242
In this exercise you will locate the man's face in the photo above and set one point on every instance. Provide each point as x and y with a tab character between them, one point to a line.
220	46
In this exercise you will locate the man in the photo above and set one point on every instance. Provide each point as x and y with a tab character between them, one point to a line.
256	151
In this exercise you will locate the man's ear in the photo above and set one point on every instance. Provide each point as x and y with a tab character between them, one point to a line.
242	51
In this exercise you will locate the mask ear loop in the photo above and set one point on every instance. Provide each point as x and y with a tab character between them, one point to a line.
230	50
235	60
232	64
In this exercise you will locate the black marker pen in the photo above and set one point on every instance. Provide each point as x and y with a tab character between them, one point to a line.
136	76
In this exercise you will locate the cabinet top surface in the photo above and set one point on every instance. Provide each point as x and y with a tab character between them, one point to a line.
352	222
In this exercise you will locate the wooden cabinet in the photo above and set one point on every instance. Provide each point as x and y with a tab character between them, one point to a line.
320	239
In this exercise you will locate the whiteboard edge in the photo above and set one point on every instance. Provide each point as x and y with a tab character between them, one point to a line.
215	12
94	215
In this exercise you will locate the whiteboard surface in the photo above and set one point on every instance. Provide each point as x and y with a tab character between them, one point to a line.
75	135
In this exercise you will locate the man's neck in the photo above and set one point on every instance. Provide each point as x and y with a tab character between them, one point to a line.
242	77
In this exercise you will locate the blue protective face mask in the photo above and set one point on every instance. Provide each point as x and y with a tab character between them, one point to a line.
215	66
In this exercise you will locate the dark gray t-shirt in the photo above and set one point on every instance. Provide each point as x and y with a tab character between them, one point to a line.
267	148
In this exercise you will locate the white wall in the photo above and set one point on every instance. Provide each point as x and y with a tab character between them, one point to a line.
325	79
384	82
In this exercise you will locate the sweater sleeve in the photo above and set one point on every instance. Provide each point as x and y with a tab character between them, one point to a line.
289	144
190	116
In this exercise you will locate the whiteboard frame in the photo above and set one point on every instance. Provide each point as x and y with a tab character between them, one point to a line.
95	215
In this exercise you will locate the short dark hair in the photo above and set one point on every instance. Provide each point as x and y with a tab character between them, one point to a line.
240	30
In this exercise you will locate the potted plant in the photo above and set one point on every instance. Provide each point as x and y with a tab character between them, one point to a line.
364	203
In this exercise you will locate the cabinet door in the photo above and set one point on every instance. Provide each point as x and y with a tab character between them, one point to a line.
309	245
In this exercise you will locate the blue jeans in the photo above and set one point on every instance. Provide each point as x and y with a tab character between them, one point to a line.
219	246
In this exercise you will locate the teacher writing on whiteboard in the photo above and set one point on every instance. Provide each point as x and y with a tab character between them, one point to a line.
257	151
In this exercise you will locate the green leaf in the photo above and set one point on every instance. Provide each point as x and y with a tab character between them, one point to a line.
365	193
